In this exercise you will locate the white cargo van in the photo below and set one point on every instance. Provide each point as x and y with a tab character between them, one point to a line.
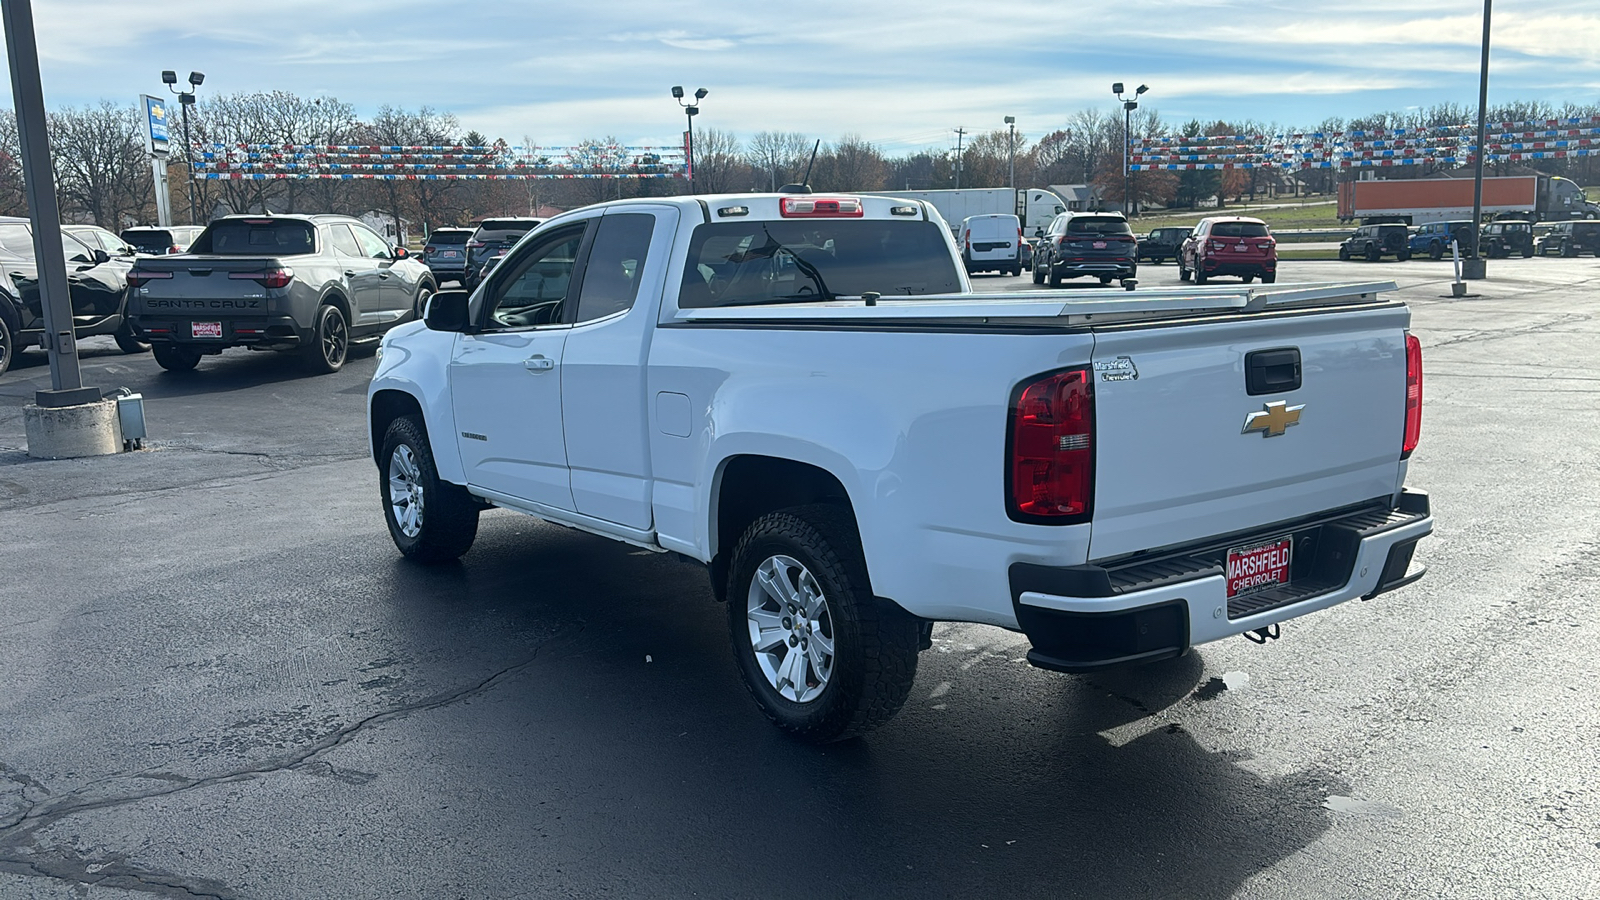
991	243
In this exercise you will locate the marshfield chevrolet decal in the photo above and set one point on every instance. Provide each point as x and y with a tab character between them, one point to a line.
1274	419
1119	369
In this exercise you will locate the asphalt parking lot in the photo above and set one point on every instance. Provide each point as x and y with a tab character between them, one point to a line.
218	679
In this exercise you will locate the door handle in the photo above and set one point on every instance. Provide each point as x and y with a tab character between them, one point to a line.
538	364
349	274
383	274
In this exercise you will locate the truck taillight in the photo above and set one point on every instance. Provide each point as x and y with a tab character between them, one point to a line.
829	207
137	277
1050	452
272	278
1413	396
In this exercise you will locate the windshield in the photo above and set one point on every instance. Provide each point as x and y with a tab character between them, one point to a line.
1098	225
743	263
1239	229
254	237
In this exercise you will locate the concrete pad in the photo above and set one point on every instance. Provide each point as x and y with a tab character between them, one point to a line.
69	432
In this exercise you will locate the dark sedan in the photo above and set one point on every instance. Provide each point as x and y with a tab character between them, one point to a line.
97	283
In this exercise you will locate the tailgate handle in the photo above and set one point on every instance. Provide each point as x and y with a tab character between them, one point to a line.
1272	371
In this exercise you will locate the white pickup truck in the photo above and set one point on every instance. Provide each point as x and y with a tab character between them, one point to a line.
803	393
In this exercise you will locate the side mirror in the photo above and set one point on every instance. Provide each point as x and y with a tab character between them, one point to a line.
401	253
447	311
100	256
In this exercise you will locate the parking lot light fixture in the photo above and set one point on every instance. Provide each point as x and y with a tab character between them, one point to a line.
1129	104
186	100
691	108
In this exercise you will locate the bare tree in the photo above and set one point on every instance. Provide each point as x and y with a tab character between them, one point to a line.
780	155
718	162
101	168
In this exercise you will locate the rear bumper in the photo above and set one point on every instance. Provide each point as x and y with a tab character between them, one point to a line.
268	332
1213	266
1085	618
1074	268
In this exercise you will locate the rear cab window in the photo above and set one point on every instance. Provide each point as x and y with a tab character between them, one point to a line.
798	260
256	237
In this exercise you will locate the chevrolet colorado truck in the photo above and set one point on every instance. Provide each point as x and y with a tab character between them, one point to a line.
802	393
314	285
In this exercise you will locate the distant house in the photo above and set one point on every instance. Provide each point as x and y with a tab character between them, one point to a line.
383	224
1079	197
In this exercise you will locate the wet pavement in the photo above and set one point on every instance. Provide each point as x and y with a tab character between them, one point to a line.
217	678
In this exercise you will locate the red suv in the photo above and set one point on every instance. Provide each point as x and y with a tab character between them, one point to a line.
1229	245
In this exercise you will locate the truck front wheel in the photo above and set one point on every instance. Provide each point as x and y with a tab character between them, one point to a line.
824	659
430	520
330	341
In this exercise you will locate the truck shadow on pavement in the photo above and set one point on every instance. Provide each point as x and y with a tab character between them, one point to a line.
1018	782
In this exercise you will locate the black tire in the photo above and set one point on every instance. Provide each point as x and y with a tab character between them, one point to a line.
420	305
446	515
1246	279
1038	274
1373	253
1055	279
127	341
1344	253
1183	270
1567	251
1199	273
8	346
875	643
1105	279
1527	253
175	357
330	341
1269	278
1436	251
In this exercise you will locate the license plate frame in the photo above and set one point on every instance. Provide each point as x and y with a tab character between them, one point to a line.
205	330
1259	566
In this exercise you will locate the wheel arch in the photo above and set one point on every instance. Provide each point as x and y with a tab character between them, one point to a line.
335	296
384	407
747	486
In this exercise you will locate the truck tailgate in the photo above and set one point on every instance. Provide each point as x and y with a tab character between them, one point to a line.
1174	462
187	285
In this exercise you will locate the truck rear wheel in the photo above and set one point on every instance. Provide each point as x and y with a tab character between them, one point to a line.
429	520
1436	251
823	658
175	357
330	341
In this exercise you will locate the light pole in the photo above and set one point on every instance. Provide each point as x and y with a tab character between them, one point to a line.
960	133
186	100
1476	268
1128	106
1011	144
691	109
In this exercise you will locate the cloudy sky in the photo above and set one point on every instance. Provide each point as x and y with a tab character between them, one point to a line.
901	73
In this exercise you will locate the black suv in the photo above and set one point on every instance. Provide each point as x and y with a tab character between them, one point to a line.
1570	239
1376	241
1505	237
97	284
1077	244
1162	244
492	236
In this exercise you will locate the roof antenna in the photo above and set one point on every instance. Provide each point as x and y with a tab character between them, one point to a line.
804	187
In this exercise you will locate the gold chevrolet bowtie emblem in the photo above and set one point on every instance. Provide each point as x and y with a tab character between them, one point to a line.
1274	420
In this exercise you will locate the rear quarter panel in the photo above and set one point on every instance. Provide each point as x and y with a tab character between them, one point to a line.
912	424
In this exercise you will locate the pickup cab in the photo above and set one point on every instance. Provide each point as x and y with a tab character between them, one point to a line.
803	394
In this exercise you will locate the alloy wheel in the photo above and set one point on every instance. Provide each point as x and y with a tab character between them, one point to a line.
405	491
791	629
335	338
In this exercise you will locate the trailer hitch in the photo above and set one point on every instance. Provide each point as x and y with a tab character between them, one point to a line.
1262	635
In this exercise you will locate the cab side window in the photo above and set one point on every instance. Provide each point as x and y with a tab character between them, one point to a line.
532	289
371	245
616	259
343	241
